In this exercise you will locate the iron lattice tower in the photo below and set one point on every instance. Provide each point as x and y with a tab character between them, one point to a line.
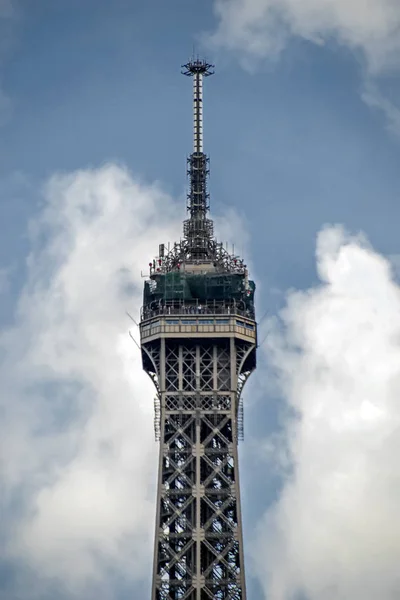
198	341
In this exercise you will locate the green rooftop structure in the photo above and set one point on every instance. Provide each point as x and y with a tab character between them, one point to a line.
185	291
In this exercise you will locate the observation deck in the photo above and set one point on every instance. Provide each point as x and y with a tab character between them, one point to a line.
186	321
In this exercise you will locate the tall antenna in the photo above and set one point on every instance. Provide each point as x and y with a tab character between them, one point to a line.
198	229
198	69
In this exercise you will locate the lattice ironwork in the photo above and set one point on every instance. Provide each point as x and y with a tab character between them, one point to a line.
206	368
189	368
223	369
199	549
172	369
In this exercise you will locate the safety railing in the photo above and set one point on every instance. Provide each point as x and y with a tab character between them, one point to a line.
197	308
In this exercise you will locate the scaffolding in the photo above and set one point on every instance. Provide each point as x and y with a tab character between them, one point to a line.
178	292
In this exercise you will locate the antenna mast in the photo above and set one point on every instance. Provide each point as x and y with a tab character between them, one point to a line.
198	230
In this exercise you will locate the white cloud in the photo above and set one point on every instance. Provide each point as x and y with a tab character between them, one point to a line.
79	456
376	100
263	27
334	533
258	29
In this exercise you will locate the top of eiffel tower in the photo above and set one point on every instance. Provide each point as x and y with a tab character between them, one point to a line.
198	268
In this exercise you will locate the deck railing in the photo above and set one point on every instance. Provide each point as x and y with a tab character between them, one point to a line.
197	308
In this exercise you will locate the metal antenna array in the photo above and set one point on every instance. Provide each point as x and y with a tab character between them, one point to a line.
198	230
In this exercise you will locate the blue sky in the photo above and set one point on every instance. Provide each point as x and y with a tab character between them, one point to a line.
296	143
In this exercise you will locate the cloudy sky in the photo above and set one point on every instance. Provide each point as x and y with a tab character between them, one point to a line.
303	130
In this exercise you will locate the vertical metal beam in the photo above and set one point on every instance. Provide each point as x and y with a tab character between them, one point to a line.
198	69
198	112
198	480
198	509
160	466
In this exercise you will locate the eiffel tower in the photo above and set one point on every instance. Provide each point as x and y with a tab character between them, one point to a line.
198	342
